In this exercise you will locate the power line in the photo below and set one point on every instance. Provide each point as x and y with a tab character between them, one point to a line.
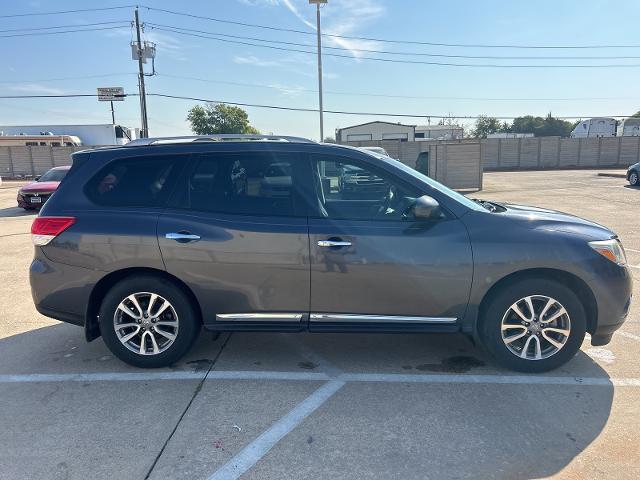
388	52
384	40
63	26
60	12
83	77
391	60
294	109
362	94
372	114
34	34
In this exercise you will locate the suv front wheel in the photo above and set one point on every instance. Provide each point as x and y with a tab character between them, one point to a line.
148	322
535	325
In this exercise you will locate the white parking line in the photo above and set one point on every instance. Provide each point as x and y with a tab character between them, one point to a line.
491	379
321	376
151	376
257	449
628	335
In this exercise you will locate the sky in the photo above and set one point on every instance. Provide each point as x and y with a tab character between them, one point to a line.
193	64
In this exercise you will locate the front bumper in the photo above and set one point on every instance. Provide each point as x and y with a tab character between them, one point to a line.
25	200
613	289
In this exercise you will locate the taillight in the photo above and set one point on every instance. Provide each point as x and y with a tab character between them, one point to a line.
45	229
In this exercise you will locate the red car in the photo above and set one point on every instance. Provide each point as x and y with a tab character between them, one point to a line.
33	195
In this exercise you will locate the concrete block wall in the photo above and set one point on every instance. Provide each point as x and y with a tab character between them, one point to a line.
556	152
18	162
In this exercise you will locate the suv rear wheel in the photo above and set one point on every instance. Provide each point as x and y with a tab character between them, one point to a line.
534	325
148	322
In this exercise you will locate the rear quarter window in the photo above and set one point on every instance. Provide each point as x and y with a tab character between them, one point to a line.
135	182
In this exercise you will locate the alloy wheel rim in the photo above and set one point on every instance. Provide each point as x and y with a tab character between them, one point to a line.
633	178
535	327
146	323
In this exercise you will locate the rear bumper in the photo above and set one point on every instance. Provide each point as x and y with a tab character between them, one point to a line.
61	291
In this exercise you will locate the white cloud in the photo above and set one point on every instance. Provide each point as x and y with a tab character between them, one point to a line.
36	89
288	90
255	61
342	17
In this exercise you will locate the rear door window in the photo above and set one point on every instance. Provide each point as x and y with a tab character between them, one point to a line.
135	182
250	183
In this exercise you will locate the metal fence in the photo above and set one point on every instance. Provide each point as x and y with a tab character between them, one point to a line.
556	152
21	162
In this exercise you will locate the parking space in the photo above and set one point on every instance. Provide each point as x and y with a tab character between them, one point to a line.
320	405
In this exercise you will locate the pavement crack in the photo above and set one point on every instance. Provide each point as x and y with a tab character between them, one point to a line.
186	409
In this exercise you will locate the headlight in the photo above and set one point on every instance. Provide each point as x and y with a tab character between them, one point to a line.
611	249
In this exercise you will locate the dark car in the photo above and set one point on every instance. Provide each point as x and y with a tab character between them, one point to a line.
33	195
633	174
146	243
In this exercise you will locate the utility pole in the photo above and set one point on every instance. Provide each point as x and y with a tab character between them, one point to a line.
144	131
317	4
113	115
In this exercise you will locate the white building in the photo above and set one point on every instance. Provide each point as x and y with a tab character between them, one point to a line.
376	131
439	132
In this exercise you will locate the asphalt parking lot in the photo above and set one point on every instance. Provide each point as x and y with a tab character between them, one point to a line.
274	406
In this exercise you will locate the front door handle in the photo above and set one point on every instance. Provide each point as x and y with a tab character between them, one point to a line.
333	243
182	237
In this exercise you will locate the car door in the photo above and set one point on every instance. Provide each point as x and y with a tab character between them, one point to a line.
372	263
238	237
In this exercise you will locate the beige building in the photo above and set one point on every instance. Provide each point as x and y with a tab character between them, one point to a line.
438	132
376	131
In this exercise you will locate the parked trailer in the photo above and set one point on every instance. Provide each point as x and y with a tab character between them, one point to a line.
102	134
39	141
629	128
595	127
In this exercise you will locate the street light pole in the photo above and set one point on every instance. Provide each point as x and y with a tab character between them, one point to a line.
319	35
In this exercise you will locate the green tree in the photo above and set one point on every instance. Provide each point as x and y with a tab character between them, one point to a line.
486	125
220	118
329	140
548	126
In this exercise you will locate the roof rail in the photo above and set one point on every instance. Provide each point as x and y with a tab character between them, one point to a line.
226	137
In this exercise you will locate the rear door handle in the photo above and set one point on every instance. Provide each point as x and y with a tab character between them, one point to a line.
182	237
333	243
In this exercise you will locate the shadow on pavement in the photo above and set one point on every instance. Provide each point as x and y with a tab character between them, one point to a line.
16	212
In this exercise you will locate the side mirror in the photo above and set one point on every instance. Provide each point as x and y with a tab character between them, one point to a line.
426	208
37	177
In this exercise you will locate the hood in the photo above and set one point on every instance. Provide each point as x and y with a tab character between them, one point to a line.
542	218
42	187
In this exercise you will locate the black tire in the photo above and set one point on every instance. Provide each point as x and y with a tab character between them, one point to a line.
189	324
499	305
637	178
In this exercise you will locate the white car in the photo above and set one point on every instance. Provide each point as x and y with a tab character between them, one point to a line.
379	150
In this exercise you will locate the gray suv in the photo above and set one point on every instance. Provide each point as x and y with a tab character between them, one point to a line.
147	243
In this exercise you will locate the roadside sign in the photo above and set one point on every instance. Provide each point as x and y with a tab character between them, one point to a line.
111	94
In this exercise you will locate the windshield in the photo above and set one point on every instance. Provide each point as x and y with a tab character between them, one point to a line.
53	175
432	183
